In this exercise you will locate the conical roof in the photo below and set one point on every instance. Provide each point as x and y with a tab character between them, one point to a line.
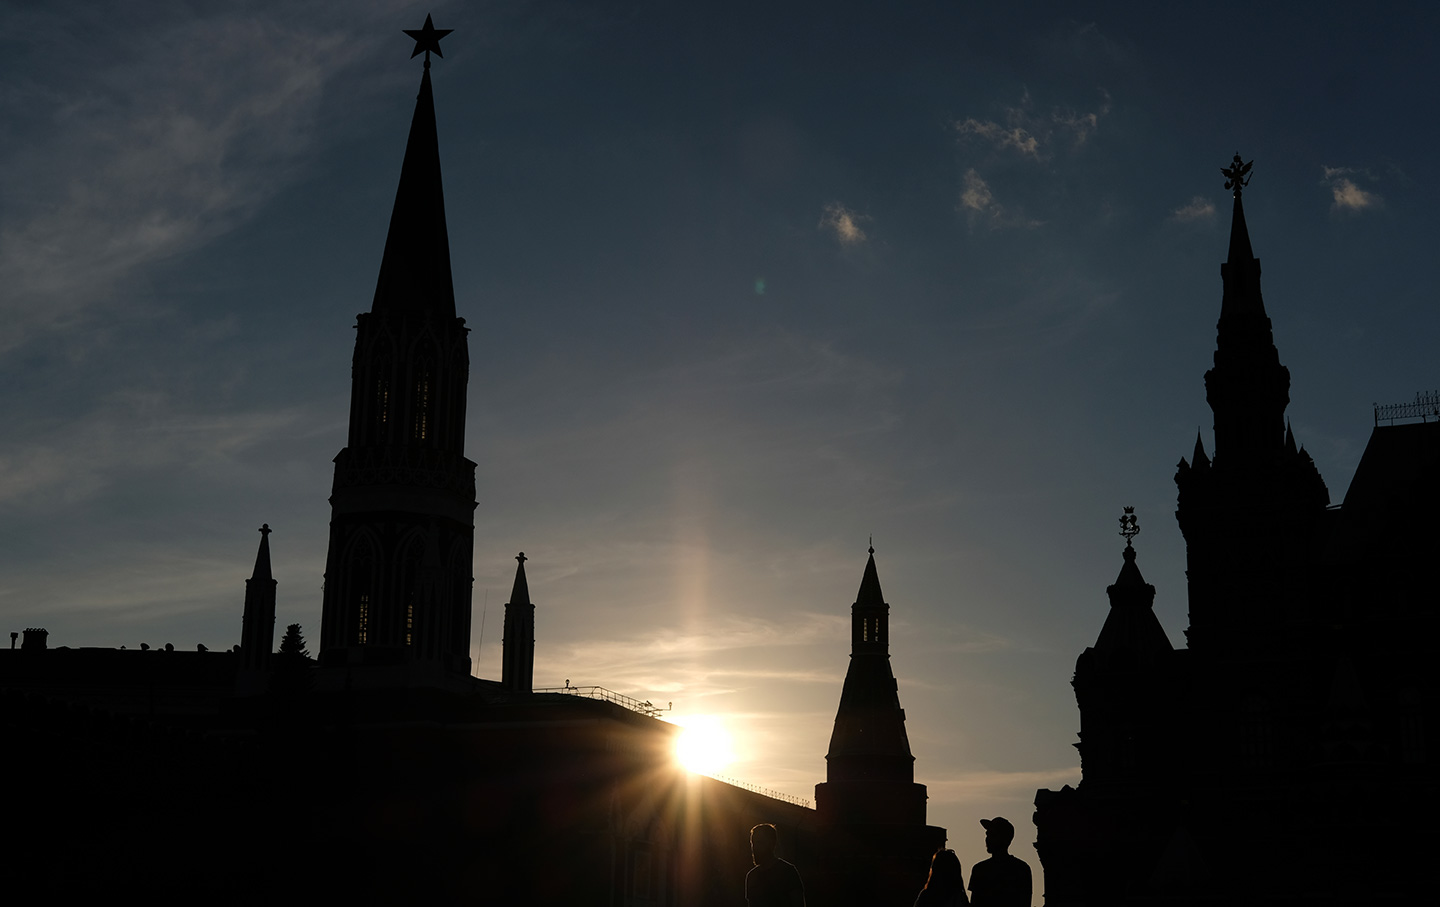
520	592
415	271
262	557
869	722
1131	628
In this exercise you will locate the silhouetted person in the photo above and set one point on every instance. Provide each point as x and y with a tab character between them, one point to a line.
773	882
945	886
1003	880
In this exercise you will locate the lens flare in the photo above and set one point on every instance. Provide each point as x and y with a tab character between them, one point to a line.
704	745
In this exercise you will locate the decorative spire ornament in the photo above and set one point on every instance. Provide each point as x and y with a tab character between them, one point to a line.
1236	175
1129	526
428	39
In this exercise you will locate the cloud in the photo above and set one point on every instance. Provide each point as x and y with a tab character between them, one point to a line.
978	201
1197	209
1081	125
1033	135
844	223
1348	196
977	195
1001	137
130	433
715	659
179	139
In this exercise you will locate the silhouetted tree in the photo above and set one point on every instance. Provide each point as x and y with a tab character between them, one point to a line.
293	667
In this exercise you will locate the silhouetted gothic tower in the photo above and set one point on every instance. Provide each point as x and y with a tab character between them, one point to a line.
517	670
399	570
1257	486
869	771
876	841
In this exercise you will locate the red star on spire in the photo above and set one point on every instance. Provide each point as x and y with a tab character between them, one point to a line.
427	38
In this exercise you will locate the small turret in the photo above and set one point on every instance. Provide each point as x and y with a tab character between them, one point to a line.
517	671
257	631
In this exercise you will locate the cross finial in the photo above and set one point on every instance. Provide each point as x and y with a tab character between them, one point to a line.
872	544
264	529
1236	175
521	558
427	39
1129	525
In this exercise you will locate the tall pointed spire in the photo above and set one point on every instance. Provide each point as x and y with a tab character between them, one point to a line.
415	271
1248	389
869	739
399	572
517	670
257	627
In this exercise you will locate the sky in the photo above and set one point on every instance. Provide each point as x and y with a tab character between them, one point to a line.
748	285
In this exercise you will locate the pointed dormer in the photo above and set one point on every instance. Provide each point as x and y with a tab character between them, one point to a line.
1200	460
399	570
1248	389
517	671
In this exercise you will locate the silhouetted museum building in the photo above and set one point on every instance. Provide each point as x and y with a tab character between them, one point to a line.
383	770
1286	754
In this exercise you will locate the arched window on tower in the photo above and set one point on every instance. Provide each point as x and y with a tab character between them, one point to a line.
359	591
424	393
408	583
382	396
362	619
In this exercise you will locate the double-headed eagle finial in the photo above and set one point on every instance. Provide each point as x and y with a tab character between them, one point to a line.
1129	525
1236	175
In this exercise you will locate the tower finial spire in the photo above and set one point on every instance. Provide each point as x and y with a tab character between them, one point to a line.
427	39
1129	526
1236	175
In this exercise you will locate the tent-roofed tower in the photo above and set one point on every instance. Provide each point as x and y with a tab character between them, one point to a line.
872	810
398	573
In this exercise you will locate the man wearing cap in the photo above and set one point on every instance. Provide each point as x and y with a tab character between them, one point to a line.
1003	880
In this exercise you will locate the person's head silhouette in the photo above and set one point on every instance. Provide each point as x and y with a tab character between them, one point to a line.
763	839
998	835
945	873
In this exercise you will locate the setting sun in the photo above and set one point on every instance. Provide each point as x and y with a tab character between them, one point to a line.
704	745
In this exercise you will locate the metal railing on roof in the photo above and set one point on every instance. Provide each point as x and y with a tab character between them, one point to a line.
764	791
647	708
1425	407
651	710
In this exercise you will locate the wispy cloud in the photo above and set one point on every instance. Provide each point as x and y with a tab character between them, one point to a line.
980	206
184	137
1347	195
1198	208
711	660
843	223
132	432
1002	137
1035	135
